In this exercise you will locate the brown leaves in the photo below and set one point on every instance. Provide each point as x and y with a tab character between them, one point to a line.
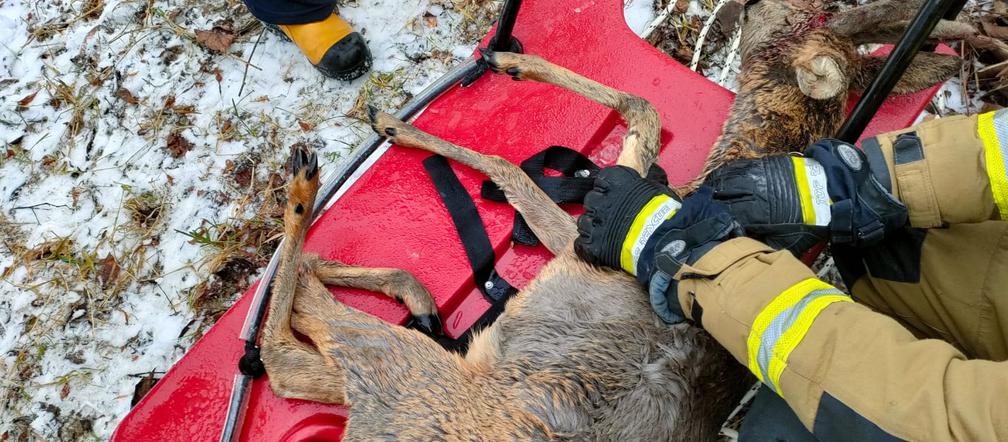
178	145
126	96
24	102
430	20
217	39
143	387
108	271
65	391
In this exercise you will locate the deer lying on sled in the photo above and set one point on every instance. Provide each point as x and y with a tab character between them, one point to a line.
578	353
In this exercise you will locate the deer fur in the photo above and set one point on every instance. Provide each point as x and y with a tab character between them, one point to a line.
798	65
578	354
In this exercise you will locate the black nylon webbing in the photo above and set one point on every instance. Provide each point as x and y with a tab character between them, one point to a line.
578	178
476	243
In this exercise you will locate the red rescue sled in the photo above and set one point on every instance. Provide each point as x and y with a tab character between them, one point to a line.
393	217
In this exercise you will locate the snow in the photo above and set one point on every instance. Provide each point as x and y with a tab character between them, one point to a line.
118	152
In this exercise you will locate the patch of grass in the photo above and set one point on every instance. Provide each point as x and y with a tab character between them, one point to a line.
237	247
146	209
382	89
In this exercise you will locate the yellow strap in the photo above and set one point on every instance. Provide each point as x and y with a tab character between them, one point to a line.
796	333
643	226
314	39
786	299
995	159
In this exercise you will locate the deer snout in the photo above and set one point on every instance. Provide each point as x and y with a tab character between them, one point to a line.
820	78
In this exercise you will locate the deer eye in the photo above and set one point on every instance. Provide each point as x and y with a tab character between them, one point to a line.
749	3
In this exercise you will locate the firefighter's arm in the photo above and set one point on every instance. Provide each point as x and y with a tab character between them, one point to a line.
946	171
844	369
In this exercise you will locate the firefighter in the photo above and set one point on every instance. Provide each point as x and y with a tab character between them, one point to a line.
916	224
326	39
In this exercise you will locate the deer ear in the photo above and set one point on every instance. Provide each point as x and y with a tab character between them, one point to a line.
820	77
927	69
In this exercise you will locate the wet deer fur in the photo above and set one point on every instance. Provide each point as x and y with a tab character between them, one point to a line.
578	354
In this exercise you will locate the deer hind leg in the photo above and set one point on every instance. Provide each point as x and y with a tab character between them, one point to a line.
395	283
554	227
296	369
379	360
643	138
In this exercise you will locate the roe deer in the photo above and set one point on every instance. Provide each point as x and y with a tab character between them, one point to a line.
798	65
578	354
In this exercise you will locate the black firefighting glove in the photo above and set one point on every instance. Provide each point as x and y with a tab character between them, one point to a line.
794	202
641	227
863	212
780	200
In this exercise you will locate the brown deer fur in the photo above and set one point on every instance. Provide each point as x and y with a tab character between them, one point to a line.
578	354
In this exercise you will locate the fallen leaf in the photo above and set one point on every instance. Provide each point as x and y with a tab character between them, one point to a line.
307	127
217	40
143	387
65	391
178	145
127	96
109	270
169	102
218	75
681	6
430	20
24	102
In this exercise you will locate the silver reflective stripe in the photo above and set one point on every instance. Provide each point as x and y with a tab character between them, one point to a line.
780	325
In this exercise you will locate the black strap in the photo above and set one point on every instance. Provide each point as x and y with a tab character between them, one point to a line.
476	243
578	177
576	180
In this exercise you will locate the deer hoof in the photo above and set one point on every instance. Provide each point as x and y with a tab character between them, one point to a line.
429	324
821	78
304	161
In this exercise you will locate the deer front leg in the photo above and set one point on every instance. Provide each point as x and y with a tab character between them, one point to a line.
554	227
396	283
643	139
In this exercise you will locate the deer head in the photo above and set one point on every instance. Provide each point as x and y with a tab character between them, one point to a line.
799	61
820	47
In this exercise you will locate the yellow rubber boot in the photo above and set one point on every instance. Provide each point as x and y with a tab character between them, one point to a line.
332	46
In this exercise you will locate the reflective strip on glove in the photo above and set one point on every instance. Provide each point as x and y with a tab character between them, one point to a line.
811	180
993	130
654	213
782	325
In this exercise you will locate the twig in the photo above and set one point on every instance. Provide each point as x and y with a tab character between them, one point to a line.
703	34
245	74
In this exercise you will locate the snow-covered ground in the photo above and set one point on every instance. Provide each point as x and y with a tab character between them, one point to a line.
132	154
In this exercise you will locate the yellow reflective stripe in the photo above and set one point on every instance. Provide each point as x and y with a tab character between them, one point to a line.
804	194
796	333
656	211
786	299
994	147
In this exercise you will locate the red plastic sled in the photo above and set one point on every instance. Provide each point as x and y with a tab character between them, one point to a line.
393	217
